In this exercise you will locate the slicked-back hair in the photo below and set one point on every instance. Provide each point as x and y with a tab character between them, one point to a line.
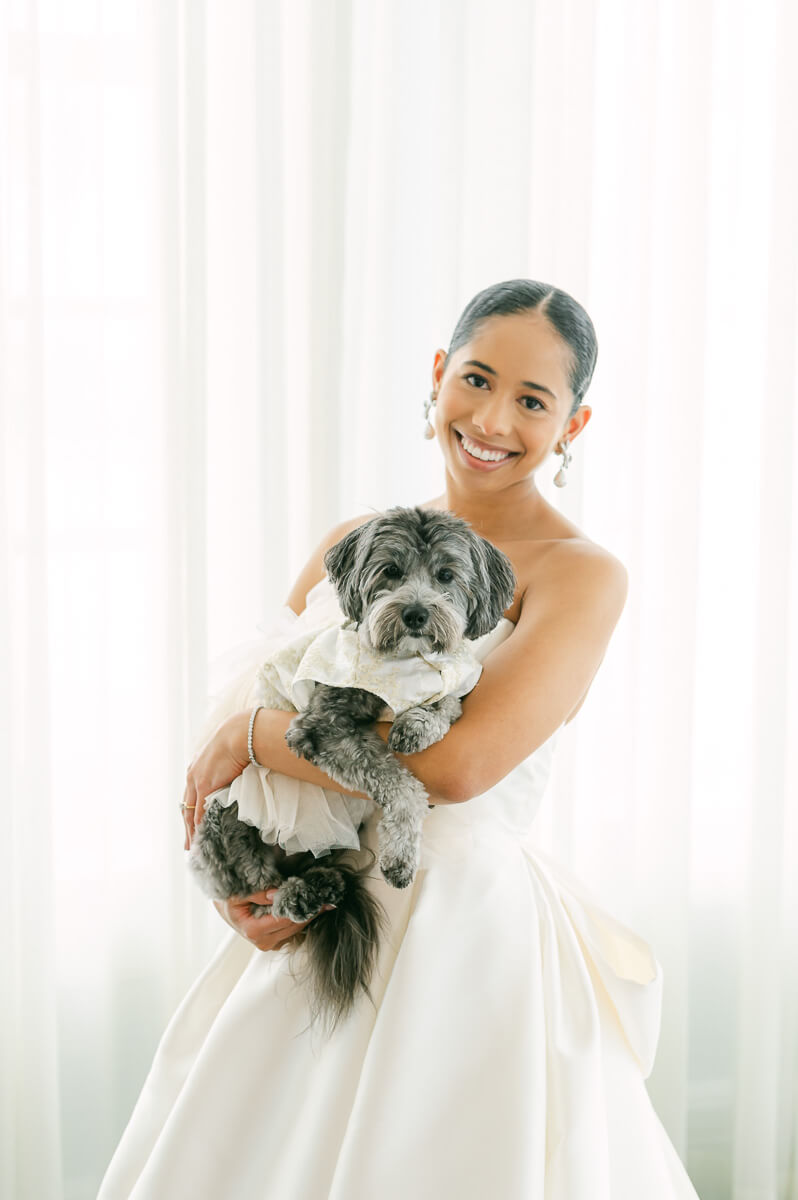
563	313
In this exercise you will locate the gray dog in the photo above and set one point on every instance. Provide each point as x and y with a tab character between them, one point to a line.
416	586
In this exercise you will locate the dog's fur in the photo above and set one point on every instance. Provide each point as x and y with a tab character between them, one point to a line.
411	580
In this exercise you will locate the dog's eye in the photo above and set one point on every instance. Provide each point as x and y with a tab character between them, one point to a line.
445	575
392	571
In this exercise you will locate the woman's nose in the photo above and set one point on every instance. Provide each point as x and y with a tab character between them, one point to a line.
492	416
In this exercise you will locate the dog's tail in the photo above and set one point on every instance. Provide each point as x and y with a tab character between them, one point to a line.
342	950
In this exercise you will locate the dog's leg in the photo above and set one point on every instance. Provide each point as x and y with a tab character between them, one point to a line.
423	725
333	733
229	857
303	896
405	805
331	713
360	760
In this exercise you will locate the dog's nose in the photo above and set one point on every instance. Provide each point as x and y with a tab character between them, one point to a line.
415	616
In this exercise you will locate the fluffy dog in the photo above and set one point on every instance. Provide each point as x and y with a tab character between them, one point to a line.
415	586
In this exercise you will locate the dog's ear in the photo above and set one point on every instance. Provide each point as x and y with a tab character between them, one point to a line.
494	587
339	562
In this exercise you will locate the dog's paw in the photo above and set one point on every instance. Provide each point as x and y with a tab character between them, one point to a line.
300	738
413	731
296	902
398	872
260	910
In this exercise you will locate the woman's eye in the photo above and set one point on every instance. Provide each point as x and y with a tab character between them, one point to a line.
392	571
536	402
445	575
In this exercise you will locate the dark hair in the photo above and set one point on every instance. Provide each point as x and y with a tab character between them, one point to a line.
561	311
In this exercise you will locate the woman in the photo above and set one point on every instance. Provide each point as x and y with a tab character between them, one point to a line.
513	1021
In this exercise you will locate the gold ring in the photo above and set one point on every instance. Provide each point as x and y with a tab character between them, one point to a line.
188	806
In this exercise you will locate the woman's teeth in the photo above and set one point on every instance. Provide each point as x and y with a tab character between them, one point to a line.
486	455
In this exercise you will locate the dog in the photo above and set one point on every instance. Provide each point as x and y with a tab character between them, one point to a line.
415	586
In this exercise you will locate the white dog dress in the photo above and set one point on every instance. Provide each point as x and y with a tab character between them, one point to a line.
342	657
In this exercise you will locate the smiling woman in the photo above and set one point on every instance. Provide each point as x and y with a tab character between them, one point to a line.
544	1062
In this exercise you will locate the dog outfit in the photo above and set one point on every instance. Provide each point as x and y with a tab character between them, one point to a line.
341	656
320	646
503	1053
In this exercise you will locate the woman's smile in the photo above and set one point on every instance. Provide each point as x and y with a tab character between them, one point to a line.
480	456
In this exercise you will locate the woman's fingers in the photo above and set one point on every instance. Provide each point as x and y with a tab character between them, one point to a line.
193	807
265	932
214	767
188	810
184	816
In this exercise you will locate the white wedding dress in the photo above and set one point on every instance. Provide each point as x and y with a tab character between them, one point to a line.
504	1057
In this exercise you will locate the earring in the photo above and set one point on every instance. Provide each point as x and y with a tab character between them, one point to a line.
560	479
429	432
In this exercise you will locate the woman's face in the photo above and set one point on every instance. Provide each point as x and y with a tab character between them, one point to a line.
505	394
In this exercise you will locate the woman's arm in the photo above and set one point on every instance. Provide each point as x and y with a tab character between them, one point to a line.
535	679
266	932
225	755
529	685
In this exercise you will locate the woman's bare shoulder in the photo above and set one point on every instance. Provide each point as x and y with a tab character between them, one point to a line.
569	582
575	565
552	554
560	553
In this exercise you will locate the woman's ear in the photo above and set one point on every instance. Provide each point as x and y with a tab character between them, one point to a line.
575	424
438	366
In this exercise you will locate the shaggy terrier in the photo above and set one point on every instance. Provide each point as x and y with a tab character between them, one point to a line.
415	586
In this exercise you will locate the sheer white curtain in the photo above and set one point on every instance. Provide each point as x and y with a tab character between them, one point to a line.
231	238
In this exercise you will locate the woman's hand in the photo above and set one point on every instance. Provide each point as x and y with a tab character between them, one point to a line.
266	933
219	762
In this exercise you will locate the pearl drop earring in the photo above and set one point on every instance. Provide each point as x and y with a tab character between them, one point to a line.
560	479
429	432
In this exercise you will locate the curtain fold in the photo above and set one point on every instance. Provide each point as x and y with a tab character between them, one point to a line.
30	1108
767	1021
231	240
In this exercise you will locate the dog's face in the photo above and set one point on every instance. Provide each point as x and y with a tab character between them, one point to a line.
420	580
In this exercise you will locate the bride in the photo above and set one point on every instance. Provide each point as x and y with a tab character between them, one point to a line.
512	1021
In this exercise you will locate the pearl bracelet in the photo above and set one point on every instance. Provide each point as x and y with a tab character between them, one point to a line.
252	758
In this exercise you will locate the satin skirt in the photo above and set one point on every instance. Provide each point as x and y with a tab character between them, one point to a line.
504	1055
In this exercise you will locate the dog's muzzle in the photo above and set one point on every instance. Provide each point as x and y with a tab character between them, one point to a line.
393	619
415	617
